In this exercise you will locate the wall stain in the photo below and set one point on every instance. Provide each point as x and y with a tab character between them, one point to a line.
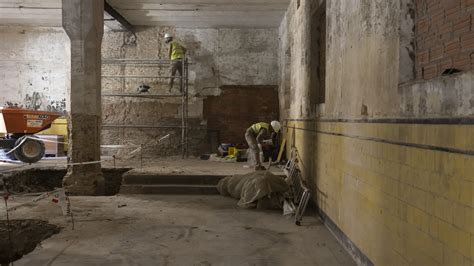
38	101
422	104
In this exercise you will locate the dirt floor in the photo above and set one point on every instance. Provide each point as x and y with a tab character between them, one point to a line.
175	165
19	237
172	230
176	230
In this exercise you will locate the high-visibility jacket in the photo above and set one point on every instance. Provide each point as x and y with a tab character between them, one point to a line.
177	51
255	128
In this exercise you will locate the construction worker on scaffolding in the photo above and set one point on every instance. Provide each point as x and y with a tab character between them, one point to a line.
257	135
177	53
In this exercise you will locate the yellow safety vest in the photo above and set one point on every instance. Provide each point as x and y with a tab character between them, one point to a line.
177	51
258	126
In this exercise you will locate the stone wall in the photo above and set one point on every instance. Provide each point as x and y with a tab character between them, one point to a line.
219	57
389	160
35	67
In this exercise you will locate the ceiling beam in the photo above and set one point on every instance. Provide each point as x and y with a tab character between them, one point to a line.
118	17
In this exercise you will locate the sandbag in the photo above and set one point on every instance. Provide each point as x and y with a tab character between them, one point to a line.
252	187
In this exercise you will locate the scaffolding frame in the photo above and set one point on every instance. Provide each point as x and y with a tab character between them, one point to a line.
183	86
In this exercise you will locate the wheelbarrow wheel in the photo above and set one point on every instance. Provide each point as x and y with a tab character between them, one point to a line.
30	150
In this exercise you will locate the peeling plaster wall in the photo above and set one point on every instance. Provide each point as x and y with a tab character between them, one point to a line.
248	57
219	57
34	67
294	59
231	56
362	55
362	58
389	160
370	65
448	97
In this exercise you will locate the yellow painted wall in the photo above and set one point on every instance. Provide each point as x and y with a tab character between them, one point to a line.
401	205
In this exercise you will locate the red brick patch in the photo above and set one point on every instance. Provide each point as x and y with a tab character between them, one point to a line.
445	29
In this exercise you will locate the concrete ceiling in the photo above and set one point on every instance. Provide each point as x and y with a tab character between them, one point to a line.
179	13
30	12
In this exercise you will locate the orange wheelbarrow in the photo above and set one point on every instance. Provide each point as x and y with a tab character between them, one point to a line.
19	126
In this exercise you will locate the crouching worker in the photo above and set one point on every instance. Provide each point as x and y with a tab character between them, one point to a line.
255	137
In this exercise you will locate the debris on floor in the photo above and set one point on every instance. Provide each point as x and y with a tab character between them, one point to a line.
178	230
23	237
227	153
226	159
260	189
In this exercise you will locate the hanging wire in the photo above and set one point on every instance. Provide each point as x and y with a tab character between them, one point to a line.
69	209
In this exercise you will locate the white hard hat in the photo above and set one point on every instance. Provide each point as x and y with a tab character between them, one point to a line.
167	35
276	126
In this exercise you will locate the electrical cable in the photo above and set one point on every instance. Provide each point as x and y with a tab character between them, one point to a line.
128	156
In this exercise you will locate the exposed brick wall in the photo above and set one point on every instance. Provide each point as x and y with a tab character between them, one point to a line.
444	36
237	108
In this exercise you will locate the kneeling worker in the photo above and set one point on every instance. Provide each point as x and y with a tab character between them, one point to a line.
255	136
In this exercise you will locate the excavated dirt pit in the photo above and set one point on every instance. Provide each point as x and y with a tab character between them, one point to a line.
42	180
25	235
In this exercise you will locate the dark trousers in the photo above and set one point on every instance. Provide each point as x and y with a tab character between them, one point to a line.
176	66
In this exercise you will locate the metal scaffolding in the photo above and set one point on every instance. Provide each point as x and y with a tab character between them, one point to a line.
183	84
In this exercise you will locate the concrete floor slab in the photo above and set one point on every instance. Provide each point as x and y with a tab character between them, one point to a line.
177	230
168	165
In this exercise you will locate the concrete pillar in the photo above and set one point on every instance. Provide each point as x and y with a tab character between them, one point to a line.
83	21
